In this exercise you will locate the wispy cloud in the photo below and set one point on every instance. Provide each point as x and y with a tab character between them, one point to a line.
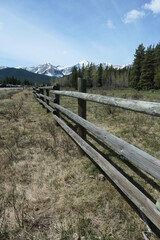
110	24
154	6
133	15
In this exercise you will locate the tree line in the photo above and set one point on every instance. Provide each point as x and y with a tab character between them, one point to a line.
14	81
145	72
98	76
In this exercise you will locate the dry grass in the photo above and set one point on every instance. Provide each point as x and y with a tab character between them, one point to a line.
48	190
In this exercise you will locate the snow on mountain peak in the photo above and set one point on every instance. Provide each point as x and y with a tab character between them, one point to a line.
60	71
18	67
2	67
84	63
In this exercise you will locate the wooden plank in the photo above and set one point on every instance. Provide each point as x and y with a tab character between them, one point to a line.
136	156
42	94
46	97
57	97
45	105
47	100
150	108
37	95
46	87
133	193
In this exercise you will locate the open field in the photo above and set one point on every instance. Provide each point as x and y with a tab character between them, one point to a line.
49	191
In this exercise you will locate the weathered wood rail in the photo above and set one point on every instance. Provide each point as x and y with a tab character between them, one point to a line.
150	108
136	156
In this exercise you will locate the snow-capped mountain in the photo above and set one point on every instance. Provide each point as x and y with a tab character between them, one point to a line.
104	65
55	71
2	67
46	69
82	63
60	71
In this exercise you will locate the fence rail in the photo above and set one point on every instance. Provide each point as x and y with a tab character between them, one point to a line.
133	154
150	108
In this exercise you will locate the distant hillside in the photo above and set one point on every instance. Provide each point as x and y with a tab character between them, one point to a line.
22	75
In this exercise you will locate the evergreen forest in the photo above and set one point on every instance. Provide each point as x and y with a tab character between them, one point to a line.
14	81
143	74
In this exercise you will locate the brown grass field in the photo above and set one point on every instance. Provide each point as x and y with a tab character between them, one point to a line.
48	190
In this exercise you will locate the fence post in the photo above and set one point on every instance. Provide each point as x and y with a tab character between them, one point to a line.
47	101
42	98
57	100
82	107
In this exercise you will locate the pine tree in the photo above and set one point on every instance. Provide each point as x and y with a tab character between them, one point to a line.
79	73
94	75
137	66
105	77
73	79
89	76
147	73
157	78
157	57
100	75
83	71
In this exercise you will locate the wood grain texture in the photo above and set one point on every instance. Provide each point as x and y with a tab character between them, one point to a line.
47	100
82	107
135	155
150	108
133	193
46	87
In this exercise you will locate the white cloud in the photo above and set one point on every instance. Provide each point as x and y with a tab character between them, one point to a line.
154	6
132	16
110	24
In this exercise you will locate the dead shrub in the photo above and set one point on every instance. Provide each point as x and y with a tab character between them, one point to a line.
10	154
110	110
14	215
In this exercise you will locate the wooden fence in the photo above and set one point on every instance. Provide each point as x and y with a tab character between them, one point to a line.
136	156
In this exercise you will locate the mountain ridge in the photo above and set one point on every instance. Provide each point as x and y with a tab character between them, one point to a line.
59	71
22	74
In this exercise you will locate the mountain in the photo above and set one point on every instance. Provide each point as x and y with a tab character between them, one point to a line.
2	67
46	69
60	71
40	74
22	74
49	70
56	71
115	66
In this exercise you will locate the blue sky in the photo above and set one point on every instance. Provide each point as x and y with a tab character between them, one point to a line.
64	32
